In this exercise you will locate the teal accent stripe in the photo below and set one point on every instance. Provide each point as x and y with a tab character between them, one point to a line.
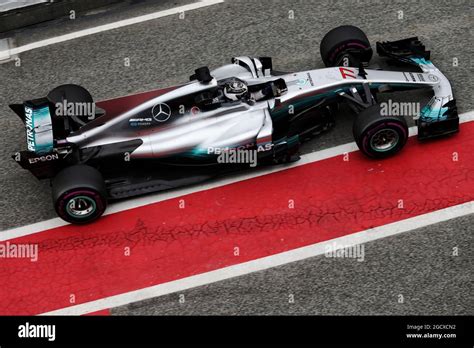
421	61
430	115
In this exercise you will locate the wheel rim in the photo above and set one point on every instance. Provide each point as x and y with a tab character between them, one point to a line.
81	207
384	140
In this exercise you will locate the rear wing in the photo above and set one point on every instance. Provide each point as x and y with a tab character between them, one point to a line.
438	117
36	116
40	158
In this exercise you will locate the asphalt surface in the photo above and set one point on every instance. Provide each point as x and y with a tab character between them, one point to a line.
166	51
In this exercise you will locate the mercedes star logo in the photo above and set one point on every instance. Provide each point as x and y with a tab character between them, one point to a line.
161	112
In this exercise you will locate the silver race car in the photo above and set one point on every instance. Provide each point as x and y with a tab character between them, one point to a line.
237	116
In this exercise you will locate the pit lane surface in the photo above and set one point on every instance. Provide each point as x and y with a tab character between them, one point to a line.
165	51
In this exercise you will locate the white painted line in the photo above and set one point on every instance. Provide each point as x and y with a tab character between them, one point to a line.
110	26
7	5
466	117
4	49
163	196
269	261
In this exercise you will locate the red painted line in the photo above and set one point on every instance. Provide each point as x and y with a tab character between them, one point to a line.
331	198
104	312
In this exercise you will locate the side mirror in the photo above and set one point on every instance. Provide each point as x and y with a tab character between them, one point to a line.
202	75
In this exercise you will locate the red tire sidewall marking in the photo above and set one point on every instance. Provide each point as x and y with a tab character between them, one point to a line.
340	48
62	202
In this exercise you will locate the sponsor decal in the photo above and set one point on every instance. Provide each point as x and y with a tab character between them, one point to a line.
47	158
161	112
219	150
195	110
345	73
310	79
140	121
301	82
39	132
30	137
264	147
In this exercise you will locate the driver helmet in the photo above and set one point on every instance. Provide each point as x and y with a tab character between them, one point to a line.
235	89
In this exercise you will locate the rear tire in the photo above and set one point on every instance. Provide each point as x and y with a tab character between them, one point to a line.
379	136
345	41
79	194
73	94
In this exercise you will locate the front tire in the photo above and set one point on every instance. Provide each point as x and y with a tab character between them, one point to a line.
346	45
79	194
379	136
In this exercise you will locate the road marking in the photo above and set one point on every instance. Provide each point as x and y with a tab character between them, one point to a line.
313	203
269	261
163	196
110	26
4	49
7	5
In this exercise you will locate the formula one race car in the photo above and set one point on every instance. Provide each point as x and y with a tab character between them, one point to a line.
240	114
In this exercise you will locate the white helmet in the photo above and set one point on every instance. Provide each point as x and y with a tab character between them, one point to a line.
235	89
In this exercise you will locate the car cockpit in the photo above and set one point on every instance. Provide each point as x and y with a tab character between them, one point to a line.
234	90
